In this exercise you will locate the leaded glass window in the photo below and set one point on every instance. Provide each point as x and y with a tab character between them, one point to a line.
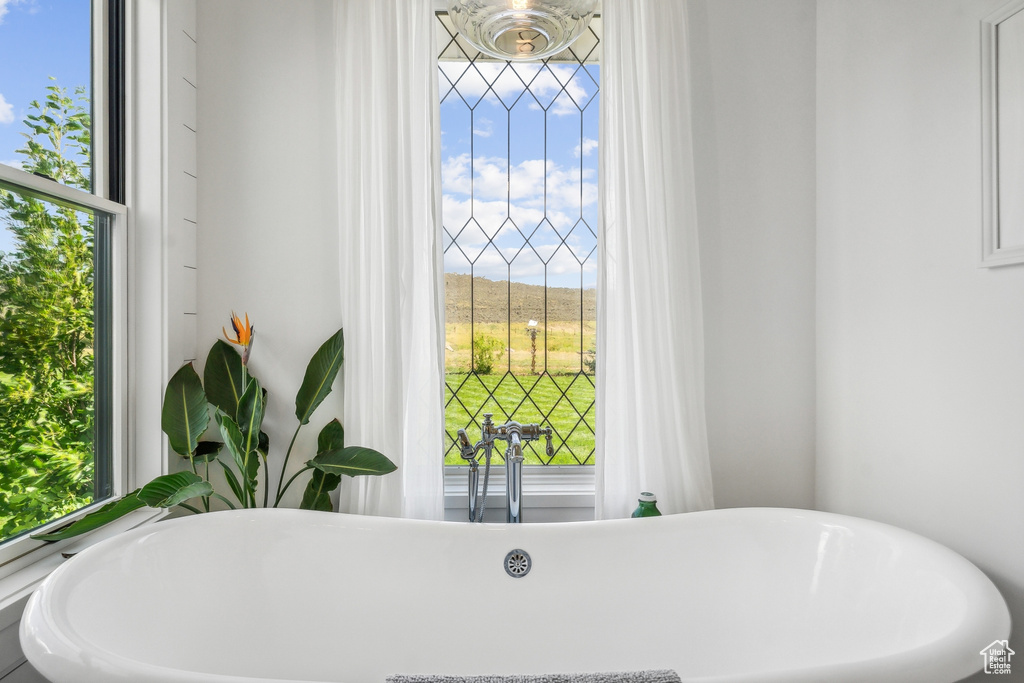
519	184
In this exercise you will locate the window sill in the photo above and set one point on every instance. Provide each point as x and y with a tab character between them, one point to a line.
28	571
544	486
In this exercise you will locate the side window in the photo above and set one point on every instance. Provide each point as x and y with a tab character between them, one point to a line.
519	185
56	267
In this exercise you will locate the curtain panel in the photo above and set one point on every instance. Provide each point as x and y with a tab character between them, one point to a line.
390	254
651	426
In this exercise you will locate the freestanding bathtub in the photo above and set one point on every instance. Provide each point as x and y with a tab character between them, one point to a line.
725	596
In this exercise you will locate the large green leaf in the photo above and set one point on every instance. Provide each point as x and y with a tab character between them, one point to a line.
233	439
232	480
320	374
354	461
170	489
207	451
317	495
248	463
331	437
94	520
223	377
185	413
250	415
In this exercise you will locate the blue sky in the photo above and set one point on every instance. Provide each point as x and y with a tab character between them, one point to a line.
38	39
495	139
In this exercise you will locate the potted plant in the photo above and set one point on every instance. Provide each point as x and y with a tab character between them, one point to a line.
237	401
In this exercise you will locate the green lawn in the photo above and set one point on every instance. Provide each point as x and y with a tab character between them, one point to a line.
563	401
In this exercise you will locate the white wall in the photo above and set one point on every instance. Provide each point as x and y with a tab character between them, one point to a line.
920	352
268	196
754	80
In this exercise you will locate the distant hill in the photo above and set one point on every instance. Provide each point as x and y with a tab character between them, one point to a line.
527	301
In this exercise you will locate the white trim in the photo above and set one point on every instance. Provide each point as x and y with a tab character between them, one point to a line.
100	89
991	253
544	486
51	190
148	240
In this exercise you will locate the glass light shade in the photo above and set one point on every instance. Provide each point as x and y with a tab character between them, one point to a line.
521	30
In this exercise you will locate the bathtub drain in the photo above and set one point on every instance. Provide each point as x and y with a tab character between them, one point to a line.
518	563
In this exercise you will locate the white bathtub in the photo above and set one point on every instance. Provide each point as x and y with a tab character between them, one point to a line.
728	595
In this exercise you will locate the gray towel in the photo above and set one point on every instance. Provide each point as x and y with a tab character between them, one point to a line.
651	676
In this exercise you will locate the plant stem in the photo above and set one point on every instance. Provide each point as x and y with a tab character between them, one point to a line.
284	467
294	476
195	471
189	507
229	503
206	499
250	487
266	479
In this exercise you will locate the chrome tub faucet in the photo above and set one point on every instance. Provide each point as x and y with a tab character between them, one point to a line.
514	435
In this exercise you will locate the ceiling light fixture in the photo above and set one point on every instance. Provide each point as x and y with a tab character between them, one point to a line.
519	30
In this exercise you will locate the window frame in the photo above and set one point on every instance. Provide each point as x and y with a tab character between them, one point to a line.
116	374
111	323
551	488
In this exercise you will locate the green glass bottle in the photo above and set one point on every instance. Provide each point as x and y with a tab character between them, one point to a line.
648	506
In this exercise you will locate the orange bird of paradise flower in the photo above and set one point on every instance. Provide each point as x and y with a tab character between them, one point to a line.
244	334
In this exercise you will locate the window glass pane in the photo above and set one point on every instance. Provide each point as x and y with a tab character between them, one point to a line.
519	184
50	446
45	88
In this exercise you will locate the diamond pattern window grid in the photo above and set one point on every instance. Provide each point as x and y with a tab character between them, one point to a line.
472	87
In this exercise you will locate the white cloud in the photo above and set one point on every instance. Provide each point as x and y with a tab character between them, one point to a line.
16	163
562	267
6	108
524	184
490	79
585	148
483	127
492	217
5	6
502	203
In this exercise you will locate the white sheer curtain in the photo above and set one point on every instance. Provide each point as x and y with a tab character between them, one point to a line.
389	206
650	423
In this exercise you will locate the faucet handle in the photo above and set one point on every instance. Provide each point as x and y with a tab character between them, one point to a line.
466	449
533	432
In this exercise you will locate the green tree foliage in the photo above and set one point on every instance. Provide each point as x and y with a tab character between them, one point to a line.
46	326
484	350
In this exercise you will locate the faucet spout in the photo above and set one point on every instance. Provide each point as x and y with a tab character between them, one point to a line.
514	477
